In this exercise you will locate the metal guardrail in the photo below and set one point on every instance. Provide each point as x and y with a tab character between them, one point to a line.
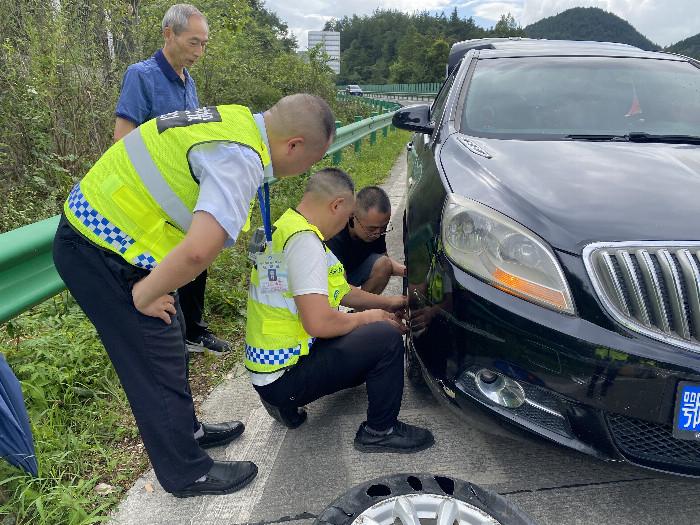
27	273
354	132
425	87
400	95
379	104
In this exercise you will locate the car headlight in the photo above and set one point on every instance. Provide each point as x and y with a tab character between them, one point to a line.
503	253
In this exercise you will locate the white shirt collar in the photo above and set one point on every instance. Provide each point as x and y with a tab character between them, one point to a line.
260	121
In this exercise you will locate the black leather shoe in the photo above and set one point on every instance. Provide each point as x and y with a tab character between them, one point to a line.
218	434
403	439
290	417
224	477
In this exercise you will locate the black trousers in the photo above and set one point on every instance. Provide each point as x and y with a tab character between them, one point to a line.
192	304
150	357
371	354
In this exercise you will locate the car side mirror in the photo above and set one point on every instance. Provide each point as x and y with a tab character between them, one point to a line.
414	118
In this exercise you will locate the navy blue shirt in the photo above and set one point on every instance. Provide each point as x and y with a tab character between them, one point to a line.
152	88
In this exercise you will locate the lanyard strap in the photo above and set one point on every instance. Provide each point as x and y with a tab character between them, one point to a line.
264	201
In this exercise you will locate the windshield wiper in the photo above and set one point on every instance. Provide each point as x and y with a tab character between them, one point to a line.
601	138
638	136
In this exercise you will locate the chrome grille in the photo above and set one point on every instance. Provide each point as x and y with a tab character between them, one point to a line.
651	288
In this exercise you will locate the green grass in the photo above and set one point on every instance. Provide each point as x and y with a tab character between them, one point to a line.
83	428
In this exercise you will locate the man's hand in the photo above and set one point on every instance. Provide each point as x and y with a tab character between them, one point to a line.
320	320
421	317
163	307
396	303
358	299
199	248
377	315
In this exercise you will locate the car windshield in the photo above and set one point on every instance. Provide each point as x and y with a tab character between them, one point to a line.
556	97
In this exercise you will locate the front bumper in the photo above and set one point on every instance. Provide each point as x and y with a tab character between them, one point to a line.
597	389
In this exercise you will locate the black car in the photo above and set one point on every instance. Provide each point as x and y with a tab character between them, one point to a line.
552	239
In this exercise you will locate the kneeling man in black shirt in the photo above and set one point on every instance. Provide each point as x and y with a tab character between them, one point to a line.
361	245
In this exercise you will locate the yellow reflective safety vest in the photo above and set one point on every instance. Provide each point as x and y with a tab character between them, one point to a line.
137	199
275	337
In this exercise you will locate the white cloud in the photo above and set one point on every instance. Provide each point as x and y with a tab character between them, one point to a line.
494	10
664	22
301	22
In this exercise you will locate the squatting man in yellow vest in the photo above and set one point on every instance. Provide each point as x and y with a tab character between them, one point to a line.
300	347
151	214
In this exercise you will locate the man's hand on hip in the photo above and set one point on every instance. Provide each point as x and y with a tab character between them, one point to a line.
162	307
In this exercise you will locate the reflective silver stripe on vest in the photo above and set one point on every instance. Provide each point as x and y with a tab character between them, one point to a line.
152	178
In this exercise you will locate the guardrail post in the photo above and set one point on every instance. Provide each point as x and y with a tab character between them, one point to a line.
373	135
338	155
358	144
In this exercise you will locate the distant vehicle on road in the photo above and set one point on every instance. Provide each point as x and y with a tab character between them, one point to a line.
552	241
353	89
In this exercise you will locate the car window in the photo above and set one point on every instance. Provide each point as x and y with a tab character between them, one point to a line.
537	97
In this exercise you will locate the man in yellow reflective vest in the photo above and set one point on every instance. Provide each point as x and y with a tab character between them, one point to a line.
300	347
152	213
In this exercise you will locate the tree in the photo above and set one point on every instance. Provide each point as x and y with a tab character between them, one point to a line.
393	46
507	26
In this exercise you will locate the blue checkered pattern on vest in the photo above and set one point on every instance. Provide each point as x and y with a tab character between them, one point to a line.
104	229
145	260
270	357
98	224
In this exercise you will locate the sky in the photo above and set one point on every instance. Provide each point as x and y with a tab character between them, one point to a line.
664	22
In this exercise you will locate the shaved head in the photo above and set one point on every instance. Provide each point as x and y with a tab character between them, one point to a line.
303	115
300	129
329	183
328	200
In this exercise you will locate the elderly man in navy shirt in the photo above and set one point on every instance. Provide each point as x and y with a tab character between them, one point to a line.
160	85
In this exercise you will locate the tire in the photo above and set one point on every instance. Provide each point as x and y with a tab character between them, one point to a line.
412	365
417	498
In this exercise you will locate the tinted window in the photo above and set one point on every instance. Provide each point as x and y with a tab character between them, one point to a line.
537	97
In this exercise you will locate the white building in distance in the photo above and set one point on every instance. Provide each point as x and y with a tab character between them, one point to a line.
330	43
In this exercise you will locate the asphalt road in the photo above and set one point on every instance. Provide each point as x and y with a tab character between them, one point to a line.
301	471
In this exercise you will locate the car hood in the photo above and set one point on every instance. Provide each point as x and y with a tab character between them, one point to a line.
572	193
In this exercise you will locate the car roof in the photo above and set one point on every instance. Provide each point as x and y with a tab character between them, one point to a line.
519	47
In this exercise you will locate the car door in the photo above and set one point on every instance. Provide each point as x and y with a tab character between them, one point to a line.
425	197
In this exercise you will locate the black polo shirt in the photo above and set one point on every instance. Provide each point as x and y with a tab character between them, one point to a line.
352	252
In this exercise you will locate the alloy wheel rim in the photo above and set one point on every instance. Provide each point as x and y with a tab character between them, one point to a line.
424	509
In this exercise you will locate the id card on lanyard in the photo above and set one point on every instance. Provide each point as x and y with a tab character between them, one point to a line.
272	267
272	272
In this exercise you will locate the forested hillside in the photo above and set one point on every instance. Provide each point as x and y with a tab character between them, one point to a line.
395	47
688	47
588	23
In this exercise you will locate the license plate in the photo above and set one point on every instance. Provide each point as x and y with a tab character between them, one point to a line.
686	420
